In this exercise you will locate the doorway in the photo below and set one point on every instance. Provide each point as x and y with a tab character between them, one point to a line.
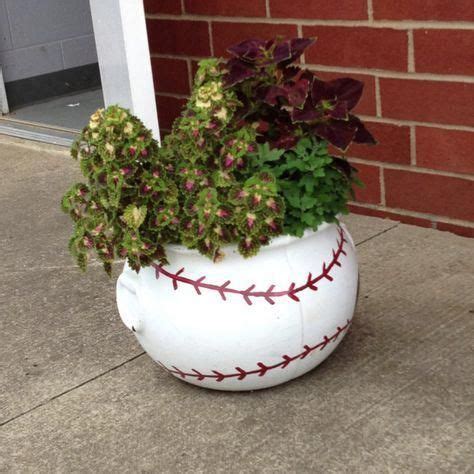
62	59
50	71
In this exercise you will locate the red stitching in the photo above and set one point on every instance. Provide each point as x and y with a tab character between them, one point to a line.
262	369
249	293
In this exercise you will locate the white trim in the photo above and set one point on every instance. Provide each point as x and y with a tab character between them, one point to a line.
124	58
3	96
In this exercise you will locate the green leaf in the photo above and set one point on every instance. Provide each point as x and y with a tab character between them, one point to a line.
134	216
75	149
293	198
307	202
266	154
308	182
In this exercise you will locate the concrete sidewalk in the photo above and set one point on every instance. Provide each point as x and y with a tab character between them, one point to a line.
77	393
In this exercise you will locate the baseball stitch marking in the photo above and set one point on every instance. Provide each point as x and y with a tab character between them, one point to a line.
250	292
240	373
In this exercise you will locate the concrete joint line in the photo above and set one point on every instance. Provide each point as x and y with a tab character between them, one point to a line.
45	402
378	234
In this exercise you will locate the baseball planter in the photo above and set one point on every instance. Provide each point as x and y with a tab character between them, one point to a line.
244	324
239	274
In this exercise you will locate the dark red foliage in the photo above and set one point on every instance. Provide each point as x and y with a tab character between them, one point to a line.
288	101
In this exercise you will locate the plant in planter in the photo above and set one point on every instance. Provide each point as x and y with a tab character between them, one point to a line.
245	172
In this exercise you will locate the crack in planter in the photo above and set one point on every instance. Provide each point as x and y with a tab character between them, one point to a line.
250	292
241	374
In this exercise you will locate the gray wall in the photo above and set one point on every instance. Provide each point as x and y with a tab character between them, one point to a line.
42	36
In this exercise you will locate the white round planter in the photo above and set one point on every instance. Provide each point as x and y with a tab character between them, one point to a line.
245	324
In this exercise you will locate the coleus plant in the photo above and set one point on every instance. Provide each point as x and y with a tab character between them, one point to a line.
288	101
247	160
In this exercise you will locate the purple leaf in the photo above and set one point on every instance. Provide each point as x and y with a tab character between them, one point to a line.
273	93
282	53
347	89
285	142
339	111
248	50
297	47
343	166
307	114
320	91
238	72
362	135
257	51
297	92
337	132
290	72
344	89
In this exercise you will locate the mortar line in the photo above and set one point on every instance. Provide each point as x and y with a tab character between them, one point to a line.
396	25
9	24
409	167
411	51
370	10
61	49
172	94
378	98
382	186
189	67
407	213
413	145
385	73
300	35
444	126
392	74
65	392
211	38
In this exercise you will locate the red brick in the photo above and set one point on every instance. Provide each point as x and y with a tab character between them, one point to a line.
393	144
428	101
393	216
227	34
442	10
168	109
163	6
370	176
226	7
456	229
319	9
449	150
430	193
180	37
366	106
170	75
444	51
376	48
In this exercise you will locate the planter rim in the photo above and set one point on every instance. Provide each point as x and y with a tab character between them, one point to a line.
279	241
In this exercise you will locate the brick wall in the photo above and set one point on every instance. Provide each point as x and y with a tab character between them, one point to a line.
416	60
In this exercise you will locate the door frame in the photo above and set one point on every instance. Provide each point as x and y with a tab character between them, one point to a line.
124	58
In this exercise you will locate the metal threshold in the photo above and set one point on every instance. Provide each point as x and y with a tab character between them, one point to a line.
37	131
